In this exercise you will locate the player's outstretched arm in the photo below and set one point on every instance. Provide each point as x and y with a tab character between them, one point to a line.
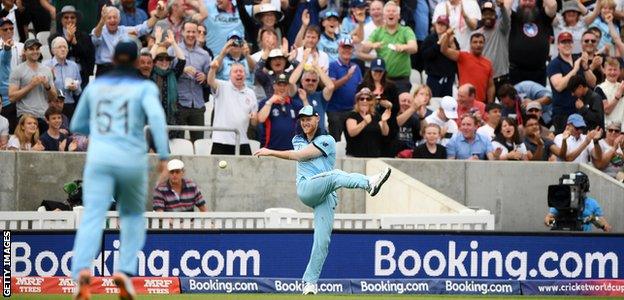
306	153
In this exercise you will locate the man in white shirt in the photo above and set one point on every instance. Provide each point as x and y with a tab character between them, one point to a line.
445	118
580	146
235	107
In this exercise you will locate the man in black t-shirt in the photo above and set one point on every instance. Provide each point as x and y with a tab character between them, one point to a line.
529	40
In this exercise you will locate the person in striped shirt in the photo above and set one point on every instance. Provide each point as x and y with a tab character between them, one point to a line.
177	193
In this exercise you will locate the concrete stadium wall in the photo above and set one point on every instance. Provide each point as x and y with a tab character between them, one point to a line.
515	193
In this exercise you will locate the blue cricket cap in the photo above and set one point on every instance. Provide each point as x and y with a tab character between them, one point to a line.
126	50
329	14
378	64
307	111
577	121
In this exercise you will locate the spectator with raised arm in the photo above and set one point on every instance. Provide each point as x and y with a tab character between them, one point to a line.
308	38
571	18
529	43
108	32
223	19
236	50
166	74
235	107
463	16
309	93
130	14
273	63
440	69
473	68
496	33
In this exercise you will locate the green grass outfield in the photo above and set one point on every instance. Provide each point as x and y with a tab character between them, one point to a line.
292	296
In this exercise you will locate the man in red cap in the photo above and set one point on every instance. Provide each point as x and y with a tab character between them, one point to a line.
559	72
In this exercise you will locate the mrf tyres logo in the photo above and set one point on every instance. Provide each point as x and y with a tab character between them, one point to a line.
192	263
451	262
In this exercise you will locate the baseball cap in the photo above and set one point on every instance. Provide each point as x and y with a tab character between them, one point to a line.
378	64
443	19
576	120
175	164
31	42
345	42
488	5
564	36
357	3
449	105
281	78
329	13
5	21
307	111
235	34
533	104
126	47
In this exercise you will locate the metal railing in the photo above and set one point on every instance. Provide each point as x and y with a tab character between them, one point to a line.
473	220
204	129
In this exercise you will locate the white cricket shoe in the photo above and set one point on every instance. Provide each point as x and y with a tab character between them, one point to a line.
376	181
310	289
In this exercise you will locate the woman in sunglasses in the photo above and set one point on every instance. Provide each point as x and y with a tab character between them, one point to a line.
365	127
166	75
612	150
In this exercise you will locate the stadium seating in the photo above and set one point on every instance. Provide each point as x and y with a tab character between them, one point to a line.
181	147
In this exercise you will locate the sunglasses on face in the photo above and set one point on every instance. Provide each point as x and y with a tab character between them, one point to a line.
310	80
613	130
69	17
365	99
8	29
589	41
568	42
163	58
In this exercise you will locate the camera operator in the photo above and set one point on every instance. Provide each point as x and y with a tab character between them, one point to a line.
591	212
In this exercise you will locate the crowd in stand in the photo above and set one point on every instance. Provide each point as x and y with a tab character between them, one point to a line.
450	79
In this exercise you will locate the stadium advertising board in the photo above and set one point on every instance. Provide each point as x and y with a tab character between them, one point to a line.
373	254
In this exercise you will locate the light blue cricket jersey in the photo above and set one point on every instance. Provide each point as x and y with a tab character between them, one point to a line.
324	163
219	24
113	110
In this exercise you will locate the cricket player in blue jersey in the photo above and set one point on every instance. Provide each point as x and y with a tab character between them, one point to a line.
317	182
113	110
